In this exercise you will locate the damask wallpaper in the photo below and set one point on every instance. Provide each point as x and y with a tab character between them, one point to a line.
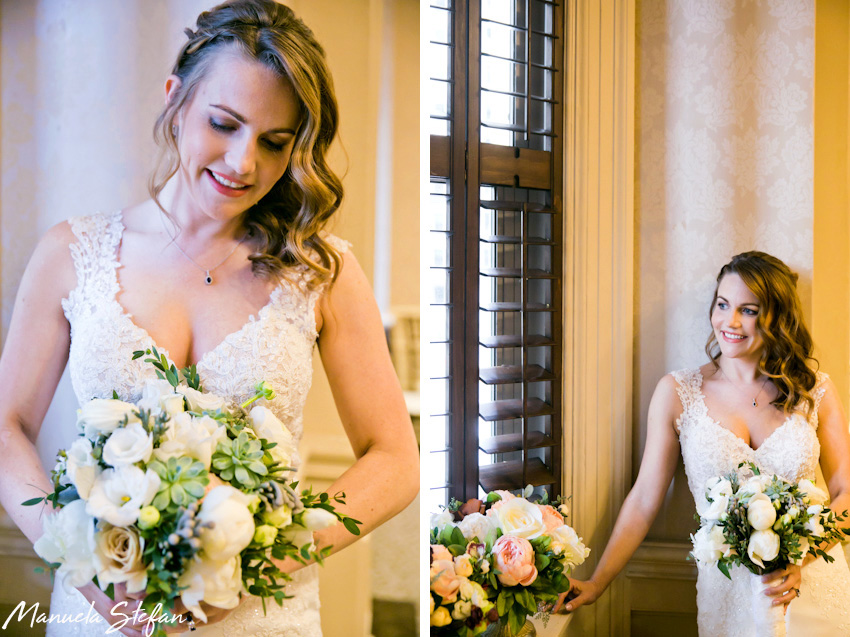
724	164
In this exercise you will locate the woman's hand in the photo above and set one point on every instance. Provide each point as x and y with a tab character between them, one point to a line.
120	612
580	593
787	586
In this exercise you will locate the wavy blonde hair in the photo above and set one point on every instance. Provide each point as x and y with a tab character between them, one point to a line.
284	226
786	356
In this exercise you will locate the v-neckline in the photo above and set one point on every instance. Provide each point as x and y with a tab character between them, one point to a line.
253	319
716	423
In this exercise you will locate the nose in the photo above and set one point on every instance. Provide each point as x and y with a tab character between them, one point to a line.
242	156
735	319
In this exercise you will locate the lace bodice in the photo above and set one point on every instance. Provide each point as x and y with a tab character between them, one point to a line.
276	345
791	451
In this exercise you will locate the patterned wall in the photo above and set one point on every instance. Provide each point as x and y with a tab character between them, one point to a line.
725	164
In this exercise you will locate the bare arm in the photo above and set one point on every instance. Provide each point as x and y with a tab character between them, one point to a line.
835	450
385	477
641	505
33	358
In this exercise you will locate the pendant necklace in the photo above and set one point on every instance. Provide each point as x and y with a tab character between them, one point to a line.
208	280
755	398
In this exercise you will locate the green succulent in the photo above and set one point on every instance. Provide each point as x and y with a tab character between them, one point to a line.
241	459
183	481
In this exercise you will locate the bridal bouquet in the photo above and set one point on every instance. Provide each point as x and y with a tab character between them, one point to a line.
497	560
181	495
763	523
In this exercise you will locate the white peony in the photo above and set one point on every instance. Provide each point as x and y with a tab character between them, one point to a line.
69	539
476	525
118	551
118	494
763	546
709	544
81	467
760	512
128	445
202	401
755	484
216	583
232	523
567	544
191	436
440	520
267	425
317	519
159	396
103	415
520	518
813	494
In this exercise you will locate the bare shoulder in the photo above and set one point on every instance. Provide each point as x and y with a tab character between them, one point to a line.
666	405
51	265
347	296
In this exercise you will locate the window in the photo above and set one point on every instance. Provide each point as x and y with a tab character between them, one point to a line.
495	230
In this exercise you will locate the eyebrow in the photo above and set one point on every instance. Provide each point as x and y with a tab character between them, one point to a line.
719	297
239	118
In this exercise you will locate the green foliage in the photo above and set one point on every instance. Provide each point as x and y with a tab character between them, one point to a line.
182	482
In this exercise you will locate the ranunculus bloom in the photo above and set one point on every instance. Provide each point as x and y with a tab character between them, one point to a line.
216	583
514	558
103	415
763	546
233	524
440	552
709	544
118	494
521	518
119	551
444	580
760	512
476	525
551	518
128	445
69	539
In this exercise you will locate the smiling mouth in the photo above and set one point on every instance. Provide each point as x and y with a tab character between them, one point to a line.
731	336
226	182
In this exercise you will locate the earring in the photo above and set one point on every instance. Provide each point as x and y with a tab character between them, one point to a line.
174	130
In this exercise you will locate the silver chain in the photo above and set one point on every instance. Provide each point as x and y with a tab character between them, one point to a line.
761	389
208	280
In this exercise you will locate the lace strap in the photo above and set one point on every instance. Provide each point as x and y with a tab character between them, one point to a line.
688	384
818	393
95	254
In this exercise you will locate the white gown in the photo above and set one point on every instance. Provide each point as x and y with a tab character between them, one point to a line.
792	451
276	345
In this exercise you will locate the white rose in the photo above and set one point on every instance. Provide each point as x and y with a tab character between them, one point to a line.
103	415
118	494
267	425
128	445
440	520
567	544
69	539
159	396
476	525
317	519
709	544
755	484
118	551
716	486
520	518
81	467
463	565
191	436
716	509
760	512
233	524
763	546
216	583
201	401
813	494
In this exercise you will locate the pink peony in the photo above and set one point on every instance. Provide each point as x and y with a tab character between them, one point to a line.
444	581
551	518
440	552
514	558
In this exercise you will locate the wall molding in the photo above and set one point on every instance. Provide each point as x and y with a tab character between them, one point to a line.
598	292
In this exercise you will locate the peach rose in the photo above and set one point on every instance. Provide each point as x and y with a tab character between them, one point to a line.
440	552
514	558
551	518
505	495
444	581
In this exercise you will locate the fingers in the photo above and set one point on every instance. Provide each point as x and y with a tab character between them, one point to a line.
787	597
562	598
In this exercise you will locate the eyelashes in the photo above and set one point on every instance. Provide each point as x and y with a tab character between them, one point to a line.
274	147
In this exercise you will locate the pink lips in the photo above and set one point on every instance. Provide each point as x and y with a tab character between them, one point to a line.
226	190
731	340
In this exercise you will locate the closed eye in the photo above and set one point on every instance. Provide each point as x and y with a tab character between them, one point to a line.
225	128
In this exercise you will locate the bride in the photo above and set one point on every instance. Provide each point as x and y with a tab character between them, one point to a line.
227	265
757	399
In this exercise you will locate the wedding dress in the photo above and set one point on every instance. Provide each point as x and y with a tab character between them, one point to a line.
792	451
276	345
